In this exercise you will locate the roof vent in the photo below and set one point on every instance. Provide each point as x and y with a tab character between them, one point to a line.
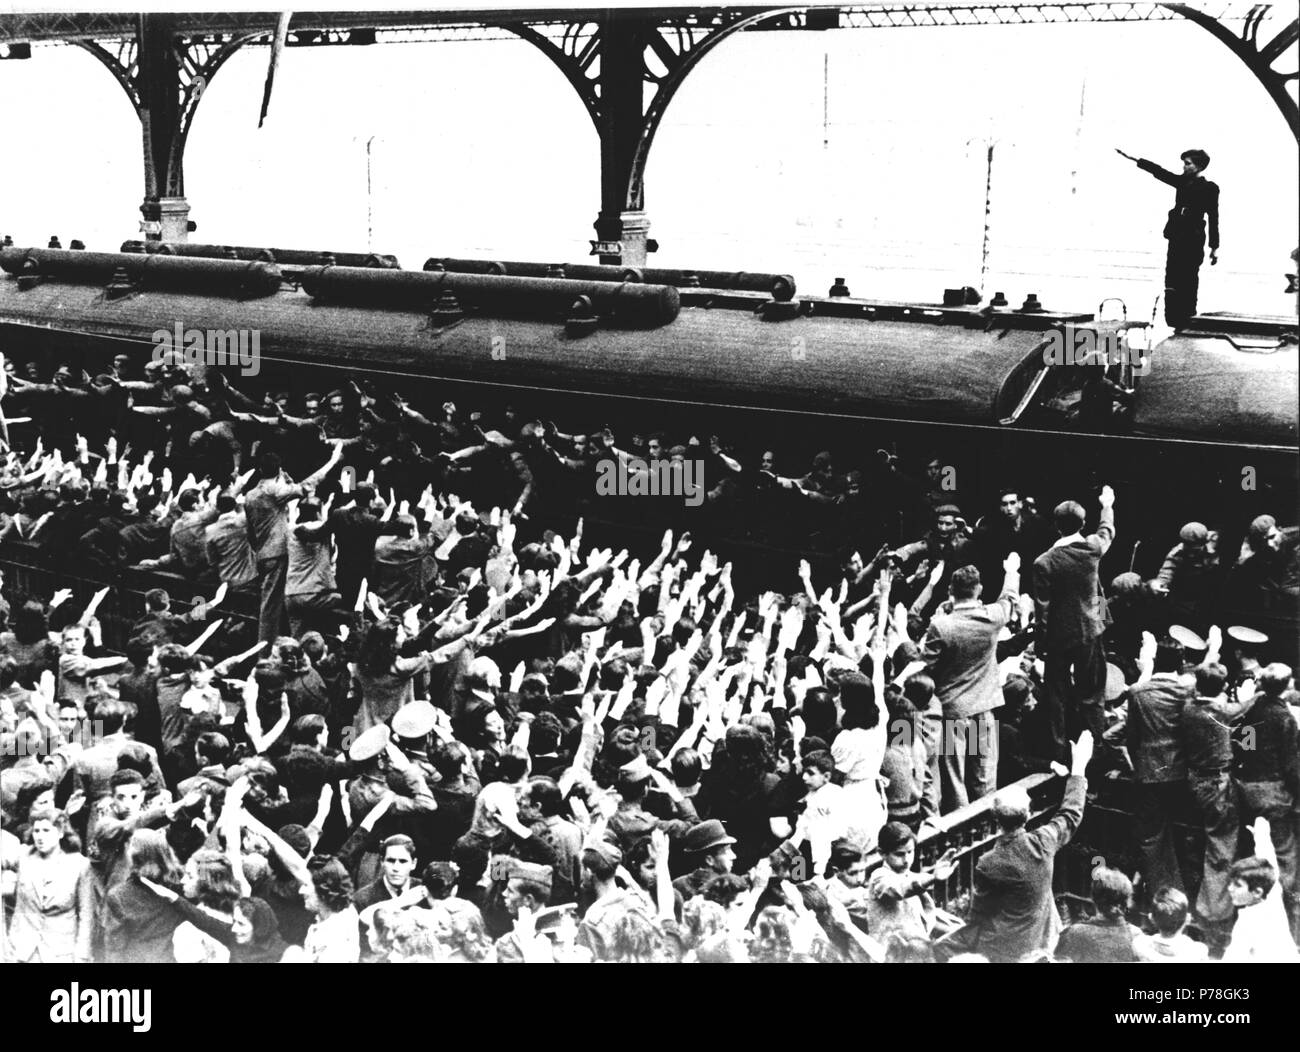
780	310
119	285
582	320
447	309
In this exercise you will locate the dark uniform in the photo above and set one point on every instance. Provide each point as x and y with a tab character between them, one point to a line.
1195	203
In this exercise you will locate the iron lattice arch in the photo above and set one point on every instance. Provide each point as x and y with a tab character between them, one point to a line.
197	61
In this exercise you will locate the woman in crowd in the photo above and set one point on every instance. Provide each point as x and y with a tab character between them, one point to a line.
335	938
256	933
859	753
209	883
29	645
139	923
384	681
54	904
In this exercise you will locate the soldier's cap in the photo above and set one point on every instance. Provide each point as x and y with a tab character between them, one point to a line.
1250	636
608	852
517	869
369	744
1193	533
415	719
1115	685
1186	638
635	771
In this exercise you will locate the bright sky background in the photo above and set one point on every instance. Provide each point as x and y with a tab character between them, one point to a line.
854	153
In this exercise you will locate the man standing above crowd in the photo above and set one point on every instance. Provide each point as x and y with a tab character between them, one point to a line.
960	652
1015	528
1155	746
1071	615
266	507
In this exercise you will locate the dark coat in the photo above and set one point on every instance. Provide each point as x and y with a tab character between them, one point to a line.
138	925
1012	910
1068	603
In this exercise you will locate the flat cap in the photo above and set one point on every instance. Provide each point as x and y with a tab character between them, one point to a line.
1126	583
1193	533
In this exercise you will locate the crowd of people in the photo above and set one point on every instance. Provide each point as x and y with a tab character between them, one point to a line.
452	730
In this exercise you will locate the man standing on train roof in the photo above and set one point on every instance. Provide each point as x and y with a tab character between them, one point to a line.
1196	201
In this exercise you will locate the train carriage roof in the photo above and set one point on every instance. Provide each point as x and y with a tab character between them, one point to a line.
845	358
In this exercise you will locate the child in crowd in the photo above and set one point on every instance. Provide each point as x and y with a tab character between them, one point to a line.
1169	943
1261	934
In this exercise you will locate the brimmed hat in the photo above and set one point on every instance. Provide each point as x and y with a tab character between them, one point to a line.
369	744
1246	636
1115	685
1186	638
415	719
706	836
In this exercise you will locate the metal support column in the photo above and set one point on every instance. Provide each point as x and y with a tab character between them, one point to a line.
622	226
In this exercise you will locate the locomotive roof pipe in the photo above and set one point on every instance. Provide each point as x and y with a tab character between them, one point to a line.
778	286
296	257
223	277
627	303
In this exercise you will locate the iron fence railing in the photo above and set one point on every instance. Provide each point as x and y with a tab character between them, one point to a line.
972	831
31	573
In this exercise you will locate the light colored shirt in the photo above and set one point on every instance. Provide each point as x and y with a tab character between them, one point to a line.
335	939
1262	934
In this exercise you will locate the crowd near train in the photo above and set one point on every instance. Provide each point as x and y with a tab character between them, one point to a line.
338	665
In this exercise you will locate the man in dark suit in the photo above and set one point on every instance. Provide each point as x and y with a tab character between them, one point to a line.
1196	202
1154	735
1012	910
1071	616
397	854
1016	527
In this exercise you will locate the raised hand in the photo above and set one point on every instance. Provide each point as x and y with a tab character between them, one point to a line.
1081	753
1107	497
947	863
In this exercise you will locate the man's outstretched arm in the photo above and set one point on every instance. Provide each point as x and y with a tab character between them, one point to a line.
1163	174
